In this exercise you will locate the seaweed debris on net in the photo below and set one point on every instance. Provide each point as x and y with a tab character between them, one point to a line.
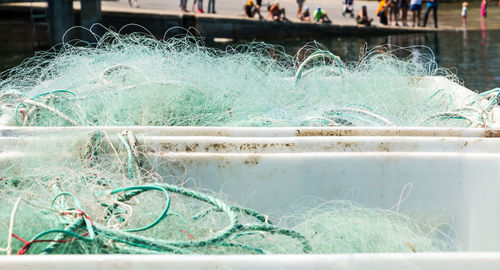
106	195
137	80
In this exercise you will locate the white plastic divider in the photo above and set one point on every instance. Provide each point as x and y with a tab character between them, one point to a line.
210	144
7	131
387	261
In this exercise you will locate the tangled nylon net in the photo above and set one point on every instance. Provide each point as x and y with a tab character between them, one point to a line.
106	193
138	80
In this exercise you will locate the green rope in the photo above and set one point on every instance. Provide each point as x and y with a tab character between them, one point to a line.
247	211
273	229
447	116
70	233
70	228
147	188
138	241
223	234
55	92
130	158
88	222
142	244
450	97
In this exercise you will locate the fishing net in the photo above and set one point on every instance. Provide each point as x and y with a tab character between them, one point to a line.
138	80
102	193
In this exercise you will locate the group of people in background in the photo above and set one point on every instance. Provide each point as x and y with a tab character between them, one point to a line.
318	16
390	10
278	14
275	12
304	14
198	6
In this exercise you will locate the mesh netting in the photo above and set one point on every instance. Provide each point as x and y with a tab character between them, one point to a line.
106	194
137	80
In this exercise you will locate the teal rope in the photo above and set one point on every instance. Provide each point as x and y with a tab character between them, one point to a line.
70	233
495	99
247	211
450	97
55	92
273	229
142	242
70	228
130	158
485	93
242	234
88	223
222	235
447	116
139	243
147	188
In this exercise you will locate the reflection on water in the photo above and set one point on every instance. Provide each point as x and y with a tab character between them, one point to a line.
449	15
473	55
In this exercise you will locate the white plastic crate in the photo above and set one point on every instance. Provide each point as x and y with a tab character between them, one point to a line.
453	173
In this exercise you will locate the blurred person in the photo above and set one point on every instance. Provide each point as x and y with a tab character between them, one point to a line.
363	18
416	8
183	5
404	6
394	12
133	3
200	6
484	7
348	7
383	10
258	5
211	6
251	9
305	16
300	3
276	13
464	14
432	5
320	16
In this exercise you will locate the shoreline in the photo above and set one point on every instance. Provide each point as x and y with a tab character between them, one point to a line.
214	25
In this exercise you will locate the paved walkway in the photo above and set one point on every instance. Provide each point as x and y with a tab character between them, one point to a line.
448	18
235	7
